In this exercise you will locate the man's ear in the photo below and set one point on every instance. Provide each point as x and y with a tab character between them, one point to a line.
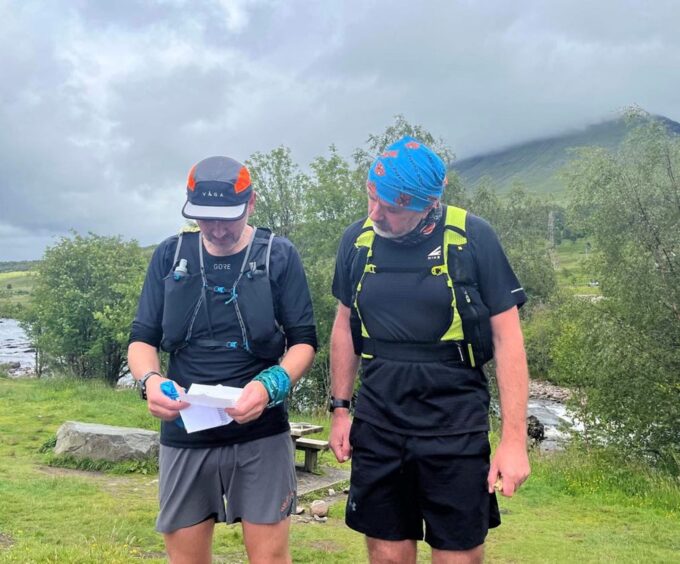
251	202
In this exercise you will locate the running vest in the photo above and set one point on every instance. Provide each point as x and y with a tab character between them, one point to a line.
186	290
468	336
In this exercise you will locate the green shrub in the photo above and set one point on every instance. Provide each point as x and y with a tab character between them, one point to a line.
84	300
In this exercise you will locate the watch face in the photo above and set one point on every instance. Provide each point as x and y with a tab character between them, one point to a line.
142	384
335	403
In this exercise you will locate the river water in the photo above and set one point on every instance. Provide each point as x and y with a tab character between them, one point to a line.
558	422
15	346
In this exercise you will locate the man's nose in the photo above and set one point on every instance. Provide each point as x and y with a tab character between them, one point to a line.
220	228
375	211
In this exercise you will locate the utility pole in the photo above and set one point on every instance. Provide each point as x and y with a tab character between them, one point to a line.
551	240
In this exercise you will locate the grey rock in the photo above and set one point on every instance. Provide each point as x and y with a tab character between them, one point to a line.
105	442
318	508
535	429
320	519
16	370
331	491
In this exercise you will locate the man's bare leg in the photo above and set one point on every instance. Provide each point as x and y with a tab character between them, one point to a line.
473	556
191	545
391	552
267	544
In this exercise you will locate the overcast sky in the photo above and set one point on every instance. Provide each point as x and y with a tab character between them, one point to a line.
105	105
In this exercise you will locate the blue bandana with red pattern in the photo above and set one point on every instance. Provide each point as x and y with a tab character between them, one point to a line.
408	174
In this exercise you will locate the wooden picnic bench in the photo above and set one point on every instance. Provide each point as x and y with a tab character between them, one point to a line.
311	447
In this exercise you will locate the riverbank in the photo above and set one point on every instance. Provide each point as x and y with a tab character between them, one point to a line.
540	389
547	403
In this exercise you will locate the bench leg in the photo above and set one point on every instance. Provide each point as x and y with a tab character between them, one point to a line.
310	460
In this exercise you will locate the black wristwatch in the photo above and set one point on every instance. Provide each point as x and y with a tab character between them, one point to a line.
142	382
335	403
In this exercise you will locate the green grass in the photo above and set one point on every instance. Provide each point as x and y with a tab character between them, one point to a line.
576	507
15	292
573	270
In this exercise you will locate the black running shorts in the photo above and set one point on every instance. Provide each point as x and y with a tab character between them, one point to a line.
399	482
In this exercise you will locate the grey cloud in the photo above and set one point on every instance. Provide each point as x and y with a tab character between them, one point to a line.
106	105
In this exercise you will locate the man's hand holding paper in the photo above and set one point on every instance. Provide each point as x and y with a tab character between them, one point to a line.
207	406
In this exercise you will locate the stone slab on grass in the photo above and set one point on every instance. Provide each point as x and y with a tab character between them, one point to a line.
105	442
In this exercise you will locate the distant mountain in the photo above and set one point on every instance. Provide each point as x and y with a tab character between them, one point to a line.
536	163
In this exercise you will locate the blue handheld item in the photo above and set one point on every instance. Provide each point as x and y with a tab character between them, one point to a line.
168	388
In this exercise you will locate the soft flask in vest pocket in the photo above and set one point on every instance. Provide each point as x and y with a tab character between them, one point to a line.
183	298
476	322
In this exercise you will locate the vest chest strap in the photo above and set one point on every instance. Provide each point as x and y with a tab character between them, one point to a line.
441	351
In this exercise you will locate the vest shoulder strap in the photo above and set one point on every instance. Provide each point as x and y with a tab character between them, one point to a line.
259	251
454	226
366	235
187	234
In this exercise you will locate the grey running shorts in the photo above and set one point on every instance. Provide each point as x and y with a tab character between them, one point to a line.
252	481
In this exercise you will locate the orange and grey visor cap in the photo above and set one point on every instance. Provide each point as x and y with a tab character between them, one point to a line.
217	188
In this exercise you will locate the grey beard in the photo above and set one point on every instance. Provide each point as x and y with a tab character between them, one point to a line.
419	232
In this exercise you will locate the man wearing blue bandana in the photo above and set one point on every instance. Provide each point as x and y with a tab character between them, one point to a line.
426	297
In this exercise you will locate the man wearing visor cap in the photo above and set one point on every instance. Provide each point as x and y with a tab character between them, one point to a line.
426	298
230	303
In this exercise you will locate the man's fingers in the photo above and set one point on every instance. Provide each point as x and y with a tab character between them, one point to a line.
250	405
341	449
165	414
245	413
493	478
338	451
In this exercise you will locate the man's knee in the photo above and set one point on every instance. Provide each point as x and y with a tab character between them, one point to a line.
391	552
267	543
472	556
190	544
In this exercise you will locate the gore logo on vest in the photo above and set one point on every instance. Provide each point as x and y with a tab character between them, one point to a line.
435	254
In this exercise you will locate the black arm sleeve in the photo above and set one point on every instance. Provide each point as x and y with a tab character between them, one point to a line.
342	283
146	326
292	300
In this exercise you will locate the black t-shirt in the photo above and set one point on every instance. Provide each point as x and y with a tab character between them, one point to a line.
237	367
403	302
